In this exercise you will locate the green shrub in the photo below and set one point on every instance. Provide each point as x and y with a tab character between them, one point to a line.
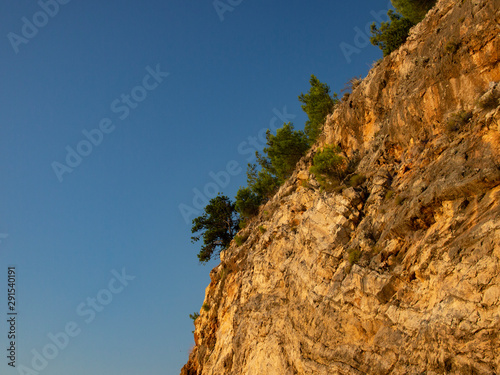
356	180
392	33
205	306
194	316
354	255
458	120
317	104
239	240
328	167
262	229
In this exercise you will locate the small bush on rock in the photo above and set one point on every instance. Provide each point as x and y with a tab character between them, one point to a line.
458	120
356	180
354	255
328	167
194	316
240	240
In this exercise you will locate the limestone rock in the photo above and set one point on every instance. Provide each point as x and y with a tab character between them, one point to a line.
364	281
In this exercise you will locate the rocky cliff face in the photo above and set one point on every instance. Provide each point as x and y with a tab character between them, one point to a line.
401	274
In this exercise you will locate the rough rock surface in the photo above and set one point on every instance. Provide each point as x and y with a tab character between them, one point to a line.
401	274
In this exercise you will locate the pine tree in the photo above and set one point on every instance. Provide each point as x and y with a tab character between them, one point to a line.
392	33
414	10
218	224
317	105
284	150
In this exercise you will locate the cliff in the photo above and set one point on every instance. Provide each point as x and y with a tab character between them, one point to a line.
400	274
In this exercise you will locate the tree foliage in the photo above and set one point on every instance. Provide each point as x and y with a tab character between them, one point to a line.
278	162
414	10
263	183
247	202
194	316
392	33
284	150
218	225
395	32
317	104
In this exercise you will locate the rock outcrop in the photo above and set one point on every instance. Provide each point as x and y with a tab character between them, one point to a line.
400	274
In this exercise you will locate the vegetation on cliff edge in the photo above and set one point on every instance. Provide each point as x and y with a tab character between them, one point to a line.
393	33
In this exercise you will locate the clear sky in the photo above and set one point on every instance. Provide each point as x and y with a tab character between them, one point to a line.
114	116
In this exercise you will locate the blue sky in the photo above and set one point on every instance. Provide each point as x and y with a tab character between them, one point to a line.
117	207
